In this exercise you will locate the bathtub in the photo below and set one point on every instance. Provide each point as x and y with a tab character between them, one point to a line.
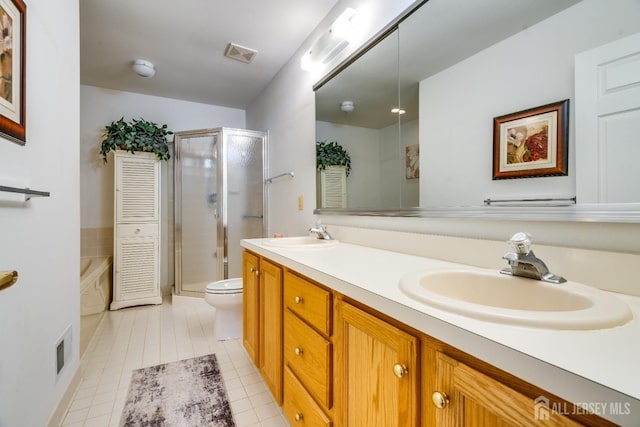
95	284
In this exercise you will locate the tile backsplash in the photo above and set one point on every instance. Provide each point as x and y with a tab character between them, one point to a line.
97	241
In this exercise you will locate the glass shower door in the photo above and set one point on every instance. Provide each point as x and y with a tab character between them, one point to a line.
245	192
198	253
219	200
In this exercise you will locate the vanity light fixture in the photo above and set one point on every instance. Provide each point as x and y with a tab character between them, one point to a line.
347	106
143	68
398	111
332	42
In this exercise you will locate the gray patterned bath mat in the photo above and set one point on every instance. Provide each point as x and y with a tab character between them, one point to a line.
186	393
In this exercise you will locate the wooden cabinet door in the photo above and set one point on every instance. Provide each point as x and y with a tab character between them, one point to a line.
271	327
475	399
378	371
251	305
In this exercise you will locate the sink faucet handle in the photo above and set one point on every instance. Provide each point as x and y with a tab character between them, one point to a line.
521	242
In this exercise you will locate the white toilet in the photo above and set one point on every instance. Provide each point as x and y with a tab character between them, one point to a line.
226	297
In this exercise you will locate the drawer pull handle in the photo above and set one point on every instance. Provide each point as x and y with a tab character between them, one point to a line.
298	351
399	370
137	230
298	416
298	300
439	399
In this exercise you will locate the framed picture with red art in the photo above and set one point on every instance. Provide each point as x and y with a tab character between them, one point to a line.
12	70
532	143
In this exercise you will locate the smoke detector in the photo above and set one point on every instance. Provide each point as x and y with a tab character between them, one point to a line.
240	53
143	68
347	106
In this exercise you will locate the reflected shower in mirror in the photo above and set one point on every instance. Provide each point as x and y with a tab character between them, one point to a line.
453	66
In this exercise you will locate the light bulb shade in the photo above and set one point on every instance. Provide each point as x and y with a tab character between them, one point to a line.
347	106
143	68
331	43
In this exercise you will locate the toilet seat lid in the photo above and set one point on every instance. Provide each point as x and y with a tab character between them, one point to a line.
229	286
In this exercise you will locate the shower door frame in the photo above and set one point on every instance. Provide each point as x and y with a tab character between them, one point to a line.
221	208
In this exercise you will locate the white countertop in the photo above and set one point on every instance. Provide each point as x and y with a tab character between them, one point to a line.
580	366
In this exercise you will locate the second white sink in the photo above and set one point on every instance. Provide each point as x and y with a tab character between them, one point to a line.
489	295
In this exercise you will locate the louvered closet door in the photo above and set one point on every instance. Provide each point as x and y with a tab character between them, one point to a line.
137	188
333	187
137	265
137	230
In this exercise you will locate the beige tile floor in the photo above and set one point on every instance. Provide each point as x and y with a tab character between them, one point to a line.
138	337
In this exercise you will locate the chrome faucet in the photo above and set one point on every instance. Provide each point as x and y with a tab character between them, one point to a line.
321	232
523	262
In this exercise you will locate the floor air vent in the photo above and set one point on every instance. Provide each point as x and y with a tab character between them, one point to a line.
240	53
62	348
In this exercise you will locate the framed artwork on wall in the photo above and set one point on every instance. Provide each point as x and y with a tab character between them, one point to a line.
532	143
412	161
12	70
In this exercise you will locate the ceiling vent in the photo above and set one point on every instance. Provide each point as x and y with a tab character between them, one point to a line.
240	53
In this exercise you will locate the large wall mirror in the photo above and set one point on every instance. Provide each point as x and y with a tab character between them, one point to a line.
425	95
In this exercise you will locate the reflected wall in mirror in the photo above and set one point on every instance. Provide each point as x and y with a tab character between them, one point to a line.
374	136
459	64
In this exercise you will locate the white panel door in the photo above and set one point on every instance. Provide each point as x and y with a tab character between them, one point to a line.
607	83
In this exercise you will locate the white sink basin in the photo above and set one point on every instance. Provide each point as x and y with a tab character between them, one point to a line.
299	242
489	295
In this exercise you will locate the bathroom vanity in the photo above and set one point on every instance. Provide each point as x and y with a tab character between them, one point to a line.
339	344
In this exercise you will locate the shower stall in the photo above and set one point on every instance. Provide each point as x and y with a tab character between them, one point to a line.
219	199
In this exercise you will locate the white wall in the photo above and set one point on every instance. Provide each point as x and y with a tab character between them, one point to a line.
41	240
397	191
363	146
102	106
457	105
286	109
378	179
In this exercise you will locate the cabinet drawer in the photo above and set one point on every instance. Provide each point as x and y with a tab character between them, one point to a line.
310	302
308	355
137	230
299	407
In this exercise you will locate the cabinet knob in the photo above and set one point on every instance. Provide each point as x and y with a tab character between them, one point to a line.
298	300
298	351
137	230
439	399
400	370
298	416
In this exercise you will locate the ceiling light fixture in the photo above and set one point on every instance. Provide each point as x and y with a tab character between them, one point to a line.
143	68
397	111
331	43
347	106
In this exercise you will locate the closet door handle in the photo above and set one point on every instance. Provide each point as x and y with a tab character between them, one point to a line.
8	278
